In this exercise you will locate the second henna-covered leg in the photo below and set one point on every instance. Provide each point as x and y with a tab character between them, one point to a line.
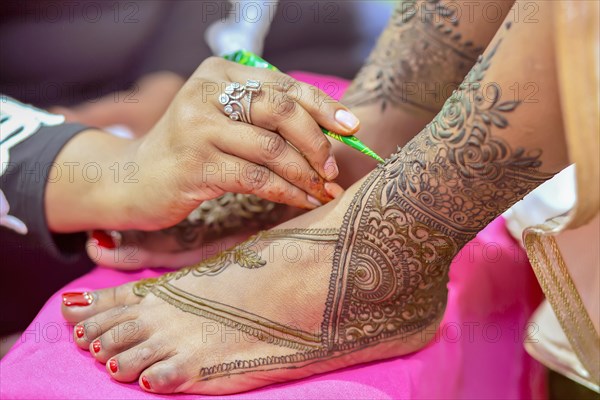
421	57
360	279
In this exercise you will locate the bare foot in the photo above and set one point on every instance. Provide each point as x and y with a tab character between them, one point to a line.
359	279
314	295
213	227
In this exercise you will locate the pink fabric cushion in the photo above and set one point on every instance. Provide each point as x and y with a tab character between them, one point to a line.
478	352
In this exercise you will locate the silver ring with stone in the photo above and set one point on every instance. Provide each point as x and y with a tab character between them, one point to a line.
234	97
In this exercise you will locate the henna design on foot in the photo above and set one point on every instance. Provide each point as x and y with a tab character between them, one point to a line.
390	263
212	220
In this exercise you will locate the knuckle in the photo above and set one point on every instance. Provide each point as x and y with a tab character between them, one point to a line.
184	119
256	177
288	85
130	329
143	354
168	375
321	145
189	91
283	106
320	97
273	146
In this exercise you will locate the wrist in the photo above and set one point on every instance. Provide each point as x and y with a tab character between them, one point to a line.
91	190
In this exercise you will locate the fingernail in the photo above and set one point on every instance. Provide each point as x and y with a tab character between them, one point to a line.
313	200
146	383
347	119
79	331
112	364
331	168
104	239
96	346
71	299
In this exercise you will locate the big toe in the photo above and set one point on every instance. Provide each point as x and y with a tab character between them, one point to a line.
78	306
172	375
128	365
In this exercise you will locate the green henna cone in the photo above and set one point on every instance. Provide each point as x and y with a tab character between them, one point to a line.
250	59
353	142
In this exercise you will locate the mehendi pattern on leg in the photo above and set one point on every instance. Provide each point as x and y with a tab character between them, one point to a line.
403	227
419	59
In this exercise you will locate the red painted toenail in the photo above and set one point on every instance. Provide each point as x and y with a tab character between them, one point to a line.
112	364
77	299
104	239
96	346
79	331
146	383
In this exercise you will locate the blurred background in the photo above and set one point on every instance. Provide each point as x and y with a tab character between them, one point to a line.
63	53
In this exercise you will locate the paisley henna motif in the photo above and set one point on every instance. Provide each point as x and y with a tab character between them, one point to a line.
408	220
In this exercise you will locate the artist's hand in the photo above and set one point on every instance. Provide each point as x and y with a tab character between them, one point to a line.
196	153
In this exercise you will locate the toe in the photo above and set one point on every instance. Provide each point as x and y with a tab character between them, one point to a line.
168	376
88	331
78	306
118	339
128	365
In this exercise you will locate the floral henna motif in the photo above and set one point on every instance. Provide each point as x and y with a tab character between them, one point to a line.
459	176
246	255
408	220
418	59
395	270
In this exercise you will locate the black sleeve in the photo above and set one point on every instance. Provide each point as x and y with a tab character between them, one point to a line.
34	263
24	182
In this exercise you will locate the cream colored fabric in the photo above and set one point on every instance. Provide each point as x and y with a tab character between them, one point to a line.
577	42
551	346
